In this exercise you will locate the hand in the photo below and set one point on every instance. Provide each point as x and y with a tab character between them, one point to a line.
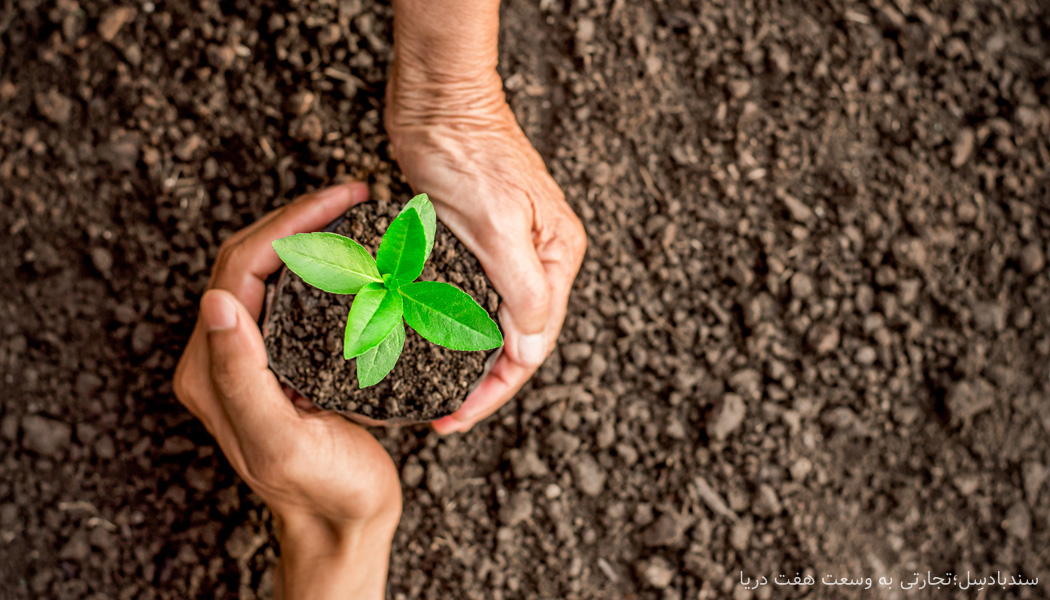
332	489
458	141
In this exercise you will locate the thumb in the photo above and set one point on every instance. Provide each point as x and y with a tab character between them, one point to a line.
519	277
239	368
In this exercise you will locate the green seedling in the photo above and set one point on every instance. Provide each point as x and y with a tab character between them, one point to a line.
387	293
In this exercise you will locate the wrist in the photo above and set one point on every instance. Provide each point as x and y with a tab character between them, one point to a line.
321	559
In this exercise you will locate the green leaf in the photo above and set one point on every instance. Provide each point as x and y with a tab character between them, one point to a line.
328	261
375	364
402	252
375	311
427	215
448	316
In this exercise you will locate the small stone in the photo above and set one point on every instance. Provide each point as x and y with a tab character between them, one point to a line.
667	530
990	316
801	286
111	22
102	258
142	337
658	573
823	338
969	398
437	480
54	106
1034	475
799	211
727	417
122	153
412	473
188	147
46	436
963	147
517	509
88	384
177	444
1018	522
563	442
584	30
800	468
739	88
308	128
9	428
866	356
221	57
588	474
747	383
300	103
576	352
105	448
1032	259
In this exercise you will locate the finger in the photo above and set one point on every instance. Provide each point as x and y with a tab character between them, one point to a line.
500	384
247	390
244	264
561	260
511	263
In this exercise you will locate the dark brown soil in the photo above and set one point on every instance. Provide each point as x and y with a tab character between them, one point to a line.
304	335
812	331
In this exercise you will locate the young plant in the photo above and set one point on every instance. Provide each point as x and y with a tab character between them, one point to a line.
386	290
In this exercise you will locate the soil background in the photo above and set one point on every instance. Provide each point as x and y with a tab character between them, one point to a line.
812	332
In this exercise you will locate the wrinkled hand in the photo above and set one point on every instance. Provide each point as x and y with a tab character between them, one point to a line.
333	490
461	145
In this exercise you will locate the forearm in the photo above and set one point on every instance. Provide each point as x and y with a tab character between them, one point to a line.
446	39
319	562
445	55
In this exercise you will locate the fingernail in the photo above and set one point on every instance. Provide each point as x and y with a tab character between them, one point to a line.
532	349
218	312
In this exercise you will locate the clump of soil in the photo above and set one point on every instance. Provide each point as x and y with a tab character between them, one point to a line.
304	335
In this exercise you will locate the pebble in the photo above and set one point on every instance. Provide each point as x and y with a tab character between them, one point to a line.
308	129
747	383
112	21
990	316
1032	259
188	147
866	356
667	530
727	417
588	475
576	352
1018	521
969	398
437	479
412	473
963	147
517	509
658	572
562	442
801	286
54	106
799	211
122	153
102	258
584	30
45	436
142	338
823	338
300	103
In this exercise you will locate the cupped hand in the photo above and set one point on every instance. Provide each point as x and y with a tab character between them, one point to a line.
463	147
333	490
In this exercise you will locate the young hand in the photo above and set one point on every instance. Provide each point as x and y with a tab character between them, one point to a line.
333	490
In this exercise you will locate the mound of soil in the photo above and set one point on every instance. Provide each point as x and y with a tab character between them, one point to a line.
304	335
